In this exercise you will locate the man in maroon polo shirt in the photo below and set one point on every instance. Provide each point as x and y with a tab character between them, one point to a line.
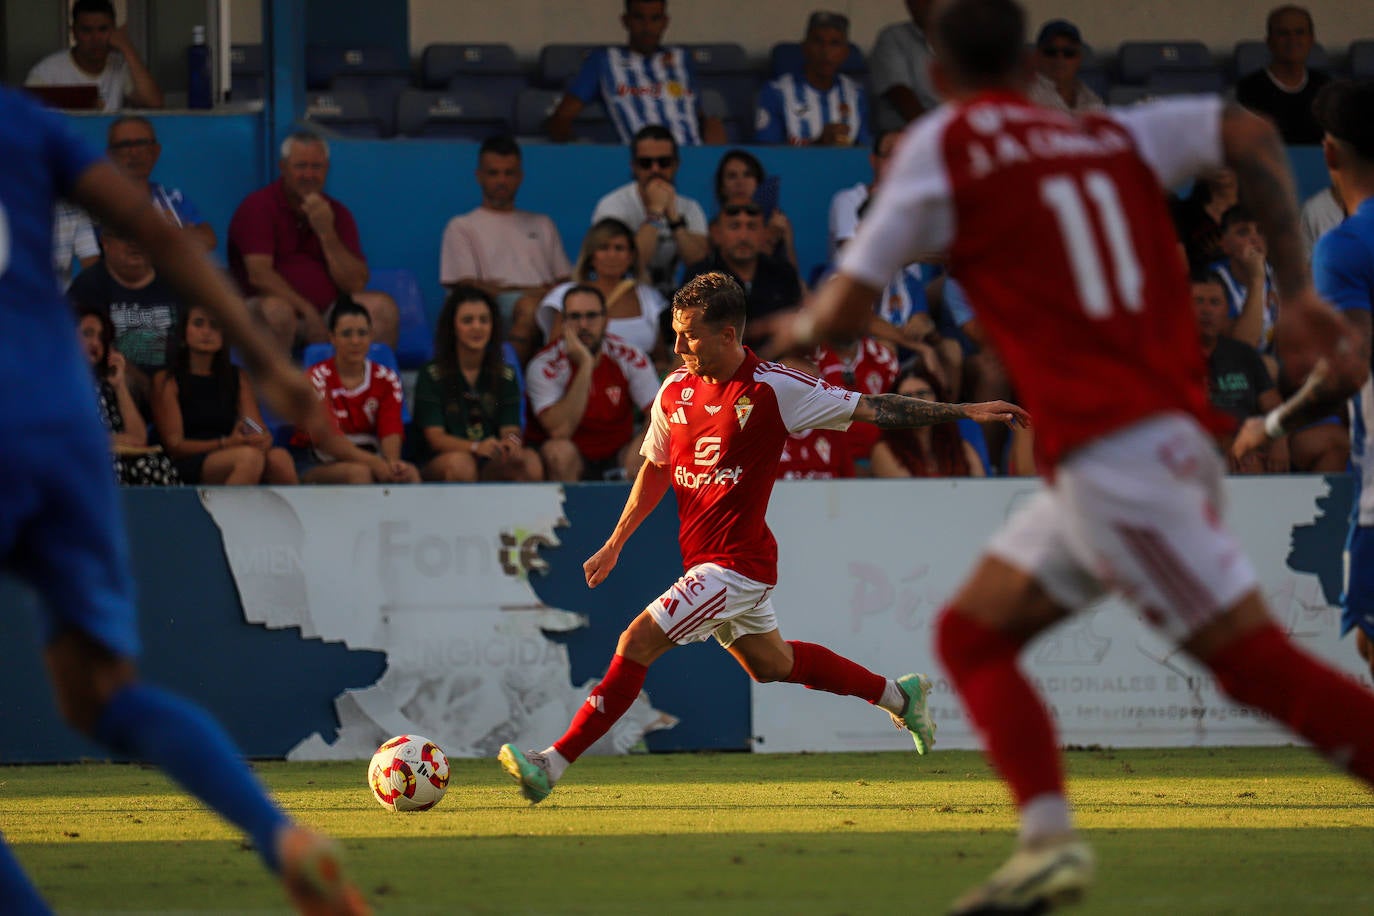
298	250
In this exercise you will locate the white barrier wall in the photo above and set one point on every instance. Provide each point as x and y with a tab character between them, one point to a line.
866	565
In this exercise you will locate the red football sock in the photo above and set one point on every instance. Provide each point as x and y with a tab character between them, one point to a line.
1015	726
608	702
1266	670
818	668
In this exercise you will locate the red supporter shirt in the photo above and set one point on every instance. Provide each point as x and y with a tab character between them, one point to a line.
622	380
817	454
872	370
1057	227
366	414
721	444
265	224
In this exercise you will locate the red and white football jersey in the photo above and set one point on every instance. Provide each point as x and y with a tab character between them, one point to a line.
366	414
1057	228
817	454
721	443
621	382
871	370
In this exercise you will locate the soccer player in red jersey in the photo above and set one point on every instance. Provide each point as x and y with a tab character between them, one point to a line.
1058	229
716	430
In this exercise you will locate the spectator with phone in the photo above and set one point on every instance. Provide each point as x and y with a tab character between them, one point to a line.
819	106
207	415
136	463
740	180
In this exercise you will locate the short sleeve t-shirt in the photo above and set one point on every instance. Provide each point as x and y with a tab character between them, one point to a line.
265	224
366	414
143	319
447	402
623	381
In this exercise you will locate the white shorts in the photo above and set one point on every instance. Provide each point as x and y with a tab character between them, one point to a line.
710	600
1138	512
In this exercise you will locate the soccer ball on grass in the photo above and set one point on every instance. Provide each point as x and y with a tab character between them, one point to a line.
408	773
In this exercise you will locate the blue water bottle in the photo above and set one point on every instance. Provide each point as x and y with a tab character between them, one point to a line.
198	93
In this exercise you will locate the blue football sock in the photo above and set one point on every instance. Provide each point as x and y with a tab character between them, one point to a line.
160	728
18	896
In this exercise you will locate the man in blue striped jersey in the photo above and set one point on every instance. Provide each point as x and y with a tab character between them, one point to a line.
819	106
640	84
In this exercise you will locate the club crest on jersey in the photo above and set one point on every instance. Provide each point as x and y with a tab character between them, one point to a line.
613	394
687	393
713	409
743	408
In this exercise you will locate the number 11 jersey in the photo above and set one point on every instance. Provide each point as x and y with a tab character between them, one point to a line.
1057	228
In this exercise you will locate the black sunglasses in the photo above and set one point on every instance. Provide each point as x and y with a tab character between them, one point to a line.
132	144
648	162
737	209
1060	52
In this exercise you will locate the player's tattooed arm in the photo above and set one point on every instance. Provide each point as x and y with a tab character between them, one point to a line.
895	411
1255	151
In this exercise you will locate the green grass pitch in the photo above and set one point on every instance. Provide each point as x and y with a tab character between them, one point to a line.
1271	830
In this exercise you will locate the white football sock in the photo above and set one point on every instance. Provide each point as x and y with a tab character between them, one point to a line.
893	698
1045	816
557	763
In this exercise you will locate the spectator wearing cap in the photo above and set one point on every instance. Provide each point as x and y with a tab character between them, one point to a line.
771	286
1058	57
1285	89
819	106
899	69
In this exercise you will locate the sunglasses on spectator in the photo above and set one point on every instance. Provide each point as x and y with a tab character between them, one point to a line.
582	316
747	209
648	162
1053	51
133	144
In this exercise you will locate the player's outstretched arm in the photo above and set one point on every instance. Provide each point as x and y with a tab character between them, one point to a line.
1336	346
104	191
649	486
896	411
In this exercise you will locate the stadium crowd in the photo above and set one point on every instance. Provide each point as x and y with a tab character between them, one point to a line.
541	366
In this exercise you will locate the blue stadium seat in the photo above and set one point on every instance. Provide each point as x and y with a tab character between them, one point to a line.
786	57
416	344
713	104
1362	58
1136	60
533	107
453	113
559	63
1127	95
247	73
1251	55
1179	82
324	62
440	63
345	113
725	70
382	90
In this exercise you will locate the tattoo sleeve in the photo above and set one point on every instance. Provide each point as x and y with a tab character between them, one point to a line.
895	411
1267	188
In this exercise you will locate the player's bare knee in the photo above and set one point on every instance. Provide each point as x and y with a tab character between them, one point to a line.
85	677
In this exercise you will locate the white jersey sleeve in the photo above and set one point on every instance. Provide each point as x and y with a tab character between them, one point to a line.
911	213
637	368
1177	137
806	402
547	377
655	447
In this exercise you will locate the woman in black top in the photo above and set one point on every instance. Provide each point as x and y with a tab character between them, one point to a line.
207	416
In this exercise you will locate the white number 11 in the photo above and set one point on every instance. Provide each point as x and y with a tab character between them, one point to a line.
1061	193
